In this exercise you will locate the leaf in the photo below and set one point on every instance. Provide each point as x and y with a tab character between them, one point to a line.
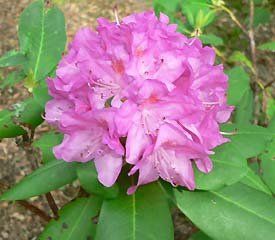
269	46
254	181
46	144
270	108
240	95
75	221
238	85
87	175
268	161
239	57
26	114
40	93
141	216
235	212
243	113
42	37
50	176
199	236
261	16
211	39
7	127
229	160
31	115
166	6
250	139
12	58
12	79
198	12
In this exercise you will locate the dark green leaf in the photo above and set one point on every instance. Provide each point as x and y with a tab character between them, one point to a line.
199	236
142	216
46	144
87	175
268	160
211	39
42	37
26	114
235	212
229	160
7	127
254	181
75	221
12	58
50	176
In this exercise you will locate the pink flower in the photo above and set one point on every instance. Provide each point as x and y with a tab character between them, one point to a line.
145	85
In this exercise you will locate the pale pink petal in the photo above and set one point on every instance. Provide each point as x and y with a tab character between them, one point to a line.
108	167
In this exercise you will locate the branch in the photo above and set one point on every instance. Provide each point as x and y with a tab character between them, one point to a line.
37	211
52	204
234	19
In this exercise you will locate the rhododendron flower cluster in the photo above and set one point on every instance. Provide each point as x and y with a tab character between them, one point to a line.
139	92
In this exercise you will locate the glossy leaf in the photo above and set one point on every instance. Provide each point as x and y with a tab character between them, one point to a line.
46	144
12	58
42	37
229	160
75	221
254	181
142	216
87	175
235	212
50	176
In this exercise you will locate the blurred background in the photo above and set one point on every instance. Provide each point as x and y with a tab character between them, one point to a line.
18	224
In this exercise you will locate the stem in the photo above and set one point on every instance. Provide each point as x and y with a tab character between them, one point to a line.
37	211
52	204
251	35
234	19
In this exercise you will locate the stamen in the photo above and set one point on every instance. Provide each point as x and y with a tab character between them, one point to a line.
116	15
211	103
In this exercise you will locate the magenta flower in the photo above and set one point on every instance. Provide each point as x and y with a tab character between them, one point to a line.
140	83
